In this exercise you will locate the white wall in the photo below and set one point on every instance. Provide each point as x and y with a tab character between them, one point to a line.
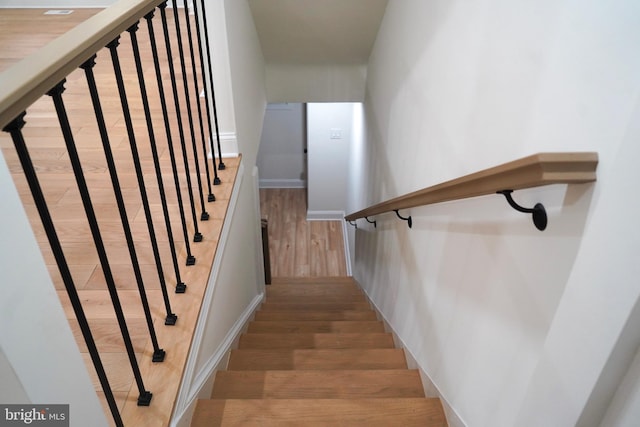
281	158
328	158
514	326
36	344
316	83
236	289
624	410
246	65
219	46
234	292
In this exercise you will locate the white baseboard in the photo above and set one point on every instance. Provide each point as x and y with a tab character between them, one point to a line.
325	215
282	183
430	388
228	145
189	386
217	361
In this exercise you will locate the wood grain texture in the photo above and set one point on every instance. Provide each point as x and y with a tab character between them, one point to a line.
294	369
300	248
335	306
284	290
316	315
342	384
382	412
532	171
314	326
320	359
29	79
316	340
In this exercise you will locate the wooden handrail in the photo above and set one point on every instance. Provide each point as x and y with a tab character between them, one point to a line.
25	82
532	171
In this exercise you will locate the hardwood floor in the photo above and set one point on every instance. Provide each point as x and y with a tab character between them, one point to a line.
22	32
300	248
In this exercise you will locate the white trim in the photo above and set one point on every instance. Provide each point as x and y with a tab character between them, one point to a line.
215	361
185	392
325	215
430	388
283	183
347	248
228	145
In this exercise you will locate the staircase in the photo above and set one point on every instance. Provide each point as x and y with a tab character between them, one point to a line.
316	355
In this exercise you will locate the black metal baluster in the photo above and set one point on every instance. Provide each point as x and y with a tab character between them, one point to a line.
158	353
15	129
221	165
113	49
197	236
191	260
180	286
144	399
216	179
204	216
211	197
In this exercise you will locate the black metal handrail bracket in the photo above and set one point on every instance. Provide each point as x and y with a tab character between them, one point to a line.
538	212
408	219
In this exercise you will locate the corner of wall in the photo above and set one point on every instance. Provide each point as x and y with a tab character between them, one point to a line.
430	388
218	316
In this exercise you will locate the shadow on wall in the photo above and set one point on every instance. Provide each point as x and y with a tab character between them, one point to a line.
473	287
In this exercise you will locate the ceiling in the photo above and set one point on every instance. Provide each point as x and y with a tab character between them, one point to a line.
317	32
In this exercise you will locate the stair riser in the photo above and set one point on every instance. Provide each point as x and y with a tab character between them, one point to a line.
314	327
316	355
346	384
382	412
317	299
315	306
316	315
310	341
317	359
313	291
312	280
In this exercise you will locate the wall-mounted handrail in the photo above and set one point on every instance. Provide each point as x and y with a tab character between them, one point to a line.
531	171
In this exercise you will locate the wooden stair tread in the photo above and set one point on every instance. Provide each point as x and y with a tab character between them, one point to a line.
343	384
318	279
316	355
312	290
319	412
281	359
316	315
320	298
322	340
310	305
315	326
